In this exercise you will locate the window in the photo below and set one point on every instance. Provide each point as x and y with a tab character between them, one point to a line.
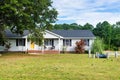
49	42
20	42
67	42
86	42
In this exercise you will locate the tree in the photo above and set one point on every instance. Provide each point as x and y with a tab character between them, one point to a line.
107	33
34	15
116	35
88	26
104	31
98	30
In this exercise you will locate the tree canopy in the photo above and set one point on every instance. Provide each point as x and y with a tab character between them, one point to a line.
73	26
33	15
104	31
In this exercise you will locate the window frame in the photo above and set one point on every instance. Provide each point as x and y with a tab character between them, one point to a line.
67	42
86	42
49	42
20	42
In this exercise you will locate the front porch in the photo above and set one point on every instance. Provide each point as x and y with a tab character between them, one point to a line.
49	46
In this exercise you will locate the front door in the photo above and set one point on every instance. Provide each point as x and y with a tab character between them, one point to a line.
32	45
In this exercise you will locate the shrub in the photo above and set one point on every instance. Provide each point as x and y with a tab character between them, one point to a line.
98	46
7	46
64	49
80	46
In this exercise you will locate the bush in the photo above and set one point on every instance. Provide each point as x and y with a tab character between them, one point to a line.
7	46
98	46
80	46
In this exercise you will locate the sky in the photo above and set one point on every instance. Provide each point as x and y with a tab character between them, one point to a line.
87	11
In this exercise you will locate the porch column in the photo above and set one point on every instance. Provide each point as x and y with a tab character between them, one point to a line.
43	46
89	52
26	45
59	44
90	46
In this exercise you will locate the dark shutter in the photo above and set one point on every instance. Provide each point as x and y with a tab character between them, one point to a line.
70	42
88	42
2	43
23	42
63	42
52	42
16	42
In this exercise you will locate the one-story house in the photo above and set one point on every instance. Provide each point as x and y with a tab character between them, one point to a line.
55	41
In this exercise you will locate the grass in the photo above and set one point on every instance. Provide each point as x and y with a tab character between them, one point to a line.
58	67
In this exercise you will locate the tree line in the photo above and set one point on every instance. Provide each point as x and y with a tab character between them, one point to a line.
109	33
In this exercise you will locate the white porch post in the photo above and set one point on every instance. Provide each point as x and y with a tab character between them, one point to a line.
43	46
26	45
59	45
89	52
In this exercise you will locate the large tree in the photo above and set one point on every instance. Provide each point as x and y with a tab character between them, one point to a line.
104	30
88	26
116	34
33	15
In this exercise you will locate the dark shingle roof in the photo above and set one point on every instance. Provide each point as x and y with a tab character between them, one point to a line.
9	34
63	33
74	33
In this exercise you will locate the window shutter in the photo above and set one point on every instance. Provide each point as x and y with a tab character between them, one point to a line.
88	42
70	42
52	42
2	43
23	42
16	42
63	42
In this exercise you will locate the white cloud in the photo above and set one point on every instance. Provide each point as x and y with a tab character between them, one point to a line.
95	17
92	11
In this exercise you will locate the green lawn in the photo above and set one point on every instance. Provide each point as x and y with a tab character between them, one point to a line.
58	67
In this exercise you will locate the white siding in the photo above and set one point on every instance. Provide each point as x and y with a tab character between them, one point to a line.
56	44
1	48
36	47
48	35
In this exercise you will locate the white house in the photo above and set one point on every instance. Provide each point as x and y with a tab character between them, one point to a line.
55	41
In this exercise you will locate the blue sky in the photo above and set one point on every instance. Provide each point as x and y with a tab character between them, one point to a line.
87	11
